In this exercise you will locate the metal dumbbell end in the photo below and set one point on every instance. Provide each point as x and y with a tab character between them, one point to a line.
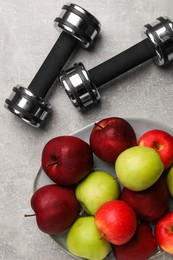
79	87
79	23
160	34
32	109
82	88
79	26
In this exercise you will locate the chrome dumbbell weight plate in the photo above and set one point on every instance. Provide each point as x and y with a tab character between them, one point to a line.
33	110
78	22
160	34
80	89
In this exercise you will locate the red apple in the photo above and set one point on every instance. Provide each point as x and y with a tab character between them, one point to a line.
162	142
164	232
67	159
140	247
111	136
116	221
149	204
55	207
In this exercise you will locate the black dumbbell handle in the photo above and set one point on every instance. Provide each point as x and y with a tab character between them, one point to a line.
122	62
53	64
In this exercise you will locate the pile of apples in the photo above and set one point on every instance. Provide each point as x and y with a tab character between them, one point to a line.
129	213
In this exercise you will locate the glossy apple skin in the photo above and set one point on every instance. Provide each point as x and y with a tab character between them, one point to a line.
138	167
140	247
164	232
116	221
169	178
67	159
84	240
110	136
96	189
149	204
162	142
56	208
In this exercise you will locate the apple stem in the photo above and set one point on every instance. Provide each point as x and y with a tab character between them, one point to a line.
156	145
29	215
82	211
51	164
115	178
96	124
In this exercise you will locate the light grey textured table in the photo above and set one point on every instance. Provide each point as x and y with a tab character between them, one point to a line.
26	36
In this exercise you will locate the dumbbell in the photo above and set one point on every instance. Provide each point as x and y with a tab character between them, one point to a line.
77	25
82	85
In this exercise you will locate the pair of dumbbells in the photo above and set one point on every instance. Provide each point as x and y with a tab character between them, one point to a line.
82	85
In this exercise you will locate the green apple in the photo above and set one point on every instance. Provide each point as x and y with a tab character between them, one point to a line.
96	189
138	167
84	240
170	180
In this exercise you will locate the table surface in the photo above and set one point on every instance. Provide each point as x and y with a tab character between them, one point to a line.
27	35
